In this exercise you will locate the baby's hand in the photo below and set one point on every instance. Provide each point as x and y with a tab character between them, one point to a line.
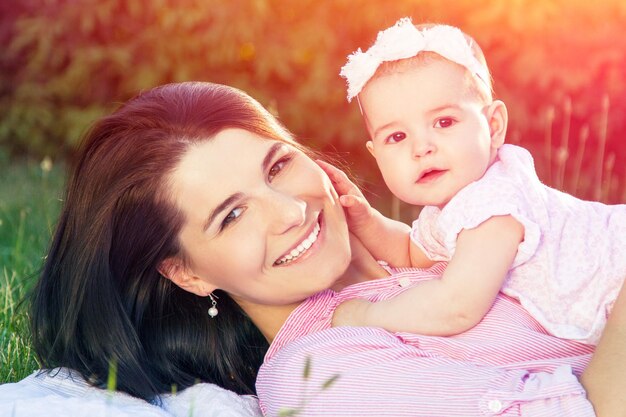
358	209
351	313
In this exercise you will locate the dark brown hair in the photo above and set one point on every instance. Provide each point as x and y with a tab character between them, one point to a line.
100	299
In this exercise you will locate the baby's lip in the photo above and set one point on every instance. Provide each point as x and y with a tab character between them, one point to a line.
429	174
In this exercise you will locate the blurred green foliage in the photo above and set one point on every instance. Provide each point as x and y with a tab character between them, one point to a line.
63	63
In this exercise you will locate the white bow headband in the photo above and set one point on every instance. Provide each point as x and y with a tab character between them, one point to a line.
404	40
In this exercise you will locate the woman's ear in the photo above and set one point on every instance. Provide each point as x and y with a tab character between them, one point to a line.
498	119
174	270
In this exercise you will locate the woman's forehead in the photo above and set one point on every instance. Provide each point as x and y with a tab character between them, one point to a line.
215	168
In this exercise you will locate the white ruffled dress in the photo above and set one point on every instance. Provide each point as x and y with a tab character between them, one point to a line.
572	262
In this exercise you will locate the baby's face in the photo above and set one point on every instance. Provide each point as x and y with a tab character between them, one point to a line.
430	132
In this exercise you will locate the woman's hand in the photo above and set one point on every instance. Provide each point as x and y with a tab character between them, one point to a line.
351	313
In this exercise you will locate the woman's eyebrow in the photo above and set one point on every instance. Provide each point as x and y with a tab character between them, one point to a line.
221	207
267	160
270	155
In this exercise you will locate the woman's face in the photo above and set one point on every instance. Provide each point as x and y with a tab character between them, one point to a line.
262	220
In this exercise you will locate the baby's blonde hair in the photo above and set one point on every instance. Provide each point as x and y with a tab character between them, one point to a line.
482	89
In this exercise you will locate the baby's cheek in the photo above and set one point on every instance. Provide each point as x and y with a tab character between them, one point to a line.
396	182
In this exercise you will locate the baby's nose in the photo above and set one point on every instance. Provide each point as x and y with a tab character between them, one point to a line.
422	147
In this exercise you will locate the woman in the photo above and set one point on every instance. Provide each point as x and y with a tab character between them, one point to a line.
194	228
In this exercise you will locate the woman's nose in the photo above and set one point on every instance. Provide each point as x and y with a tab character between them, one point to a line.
287	211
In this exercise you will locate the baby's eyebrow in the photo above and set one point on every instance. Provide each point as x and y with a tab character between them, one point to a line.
450	106
447	106
383	128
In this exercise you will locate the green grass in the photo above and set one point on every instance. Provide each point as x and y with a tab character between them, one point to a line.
29	205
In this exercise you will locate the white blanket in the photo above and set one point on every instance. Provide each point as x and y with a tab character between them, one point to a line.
60	393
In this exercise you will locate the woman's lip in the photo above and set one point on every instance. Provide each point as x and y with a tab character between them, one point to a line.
310	250
430	176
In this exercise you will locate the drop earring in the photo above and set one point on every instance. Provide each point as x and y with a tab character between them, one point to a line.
213	310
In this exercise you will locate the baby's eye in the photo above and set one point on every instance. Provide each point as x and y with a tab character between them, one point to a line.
395	137
278	166
444	122
232	216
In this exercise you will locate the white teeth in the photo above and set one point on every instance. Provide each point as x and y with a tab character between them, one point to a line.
302	247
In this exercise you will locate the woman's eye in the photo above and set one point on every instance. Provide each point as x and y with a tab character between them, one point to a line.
395	137
444	122
278	167
232	216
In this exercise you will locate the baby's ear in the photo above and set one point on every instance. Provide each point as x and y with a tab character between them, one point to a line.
498	119
174	270
370	147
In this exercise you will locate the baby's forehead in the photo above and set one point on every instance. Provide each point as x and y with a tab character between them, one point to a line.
434	74
420	60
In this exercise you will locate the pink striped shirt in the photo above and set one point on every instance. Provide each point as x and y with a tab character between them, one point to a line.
505	366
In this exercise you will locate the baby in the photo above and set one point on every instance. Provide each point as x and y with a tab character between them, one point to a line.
438	137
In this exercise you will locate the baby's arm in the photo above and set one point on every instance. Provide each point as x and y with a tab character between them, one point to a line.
418	258
456	302
384	238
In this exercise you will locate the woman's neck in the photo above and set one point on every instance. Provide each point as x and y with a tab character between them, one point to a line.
268	319
362	267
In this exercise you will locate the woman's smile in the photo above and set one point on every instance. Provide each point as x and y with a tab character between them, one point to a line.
304	248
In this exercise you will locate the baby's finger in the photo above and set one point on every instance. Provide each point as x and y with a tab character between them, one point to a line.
340	180
334	173
355	205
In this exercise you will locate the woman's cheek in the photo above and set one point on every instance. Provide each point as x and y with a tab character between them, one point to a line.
247	249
